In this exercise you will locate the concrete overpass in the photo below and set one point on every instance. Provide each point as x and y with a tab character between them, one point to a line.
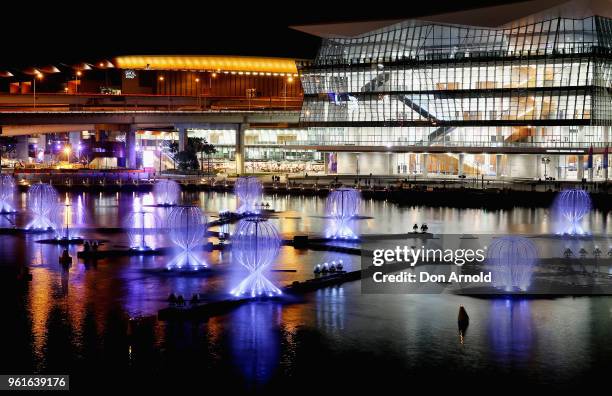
22	123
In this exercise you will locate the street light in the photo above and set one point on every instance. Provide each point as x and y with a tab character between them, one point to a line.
199	92
545	161
37	75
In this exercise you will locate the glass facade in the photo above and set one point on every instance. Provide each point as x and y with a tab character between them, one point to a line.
418	83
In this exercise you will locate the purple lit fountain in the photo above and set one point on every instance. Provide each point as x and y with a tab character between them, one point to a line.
255	245
166	192
142	228
512	260
7	194
187	226
42	203
342	208
249	191
573	205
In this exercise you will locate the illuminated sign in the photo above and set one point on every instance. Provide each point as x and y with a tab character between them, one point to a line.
130	74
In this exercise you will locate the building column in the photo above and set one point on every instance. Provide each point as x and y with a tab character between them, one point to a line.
21	148
130	148
239	154
182	143
460	166
580	166
42	146
498	165
424	164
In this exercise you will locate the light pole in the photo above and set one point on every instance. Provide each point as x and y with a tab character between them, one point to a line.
78	75
199	92
37	75
545	161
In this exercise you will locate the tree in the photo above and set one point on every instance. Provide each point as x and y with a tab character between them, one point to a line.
186	160
202	147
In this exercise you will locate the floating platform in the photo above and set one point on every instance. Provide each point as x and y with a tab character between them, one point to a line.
62	241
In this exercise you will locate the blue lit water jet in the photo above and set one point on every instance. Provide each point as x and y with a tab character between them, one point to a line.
249	192
512	260
187	226
65	215
166	192
42	201
573	205
255	245
342	208
142	228
7	194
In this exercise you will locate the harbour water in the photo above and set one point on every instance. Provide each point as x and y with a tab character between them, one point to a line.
96	320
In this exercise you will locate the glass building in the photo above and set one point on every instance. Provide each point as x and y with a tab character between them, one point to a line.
530	97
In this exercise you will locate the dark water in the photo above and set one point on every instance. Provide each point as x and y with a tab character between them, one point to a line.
96	320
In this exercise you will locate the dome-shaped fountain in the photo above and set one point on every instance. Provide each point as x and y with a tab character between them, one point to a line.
512	260
573	205
342	208
42	202
187	226
249	192
166	192
142	228
255	245
7	194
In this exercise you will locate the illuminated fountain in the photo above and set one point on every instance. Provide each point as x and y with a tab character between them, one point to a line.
142	228
64	218
342	208
7	194
42	203
255	245
249	191
166	192
512	260
573	205
187	226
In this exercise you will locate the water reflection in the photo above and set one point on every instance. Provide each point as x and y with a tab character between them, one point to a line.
511	330
255	341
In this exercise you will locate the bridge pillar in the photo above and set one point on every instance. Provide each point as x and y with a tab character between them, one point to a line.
130	148
239	155
21	148
460	165
498	165
182	143
42	145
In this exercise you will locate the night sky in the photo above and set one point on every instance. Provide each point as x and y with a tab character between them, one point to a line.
38	34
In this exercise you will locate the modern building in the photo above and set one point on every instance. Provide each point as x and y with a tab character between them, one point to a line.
124	112
519	90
